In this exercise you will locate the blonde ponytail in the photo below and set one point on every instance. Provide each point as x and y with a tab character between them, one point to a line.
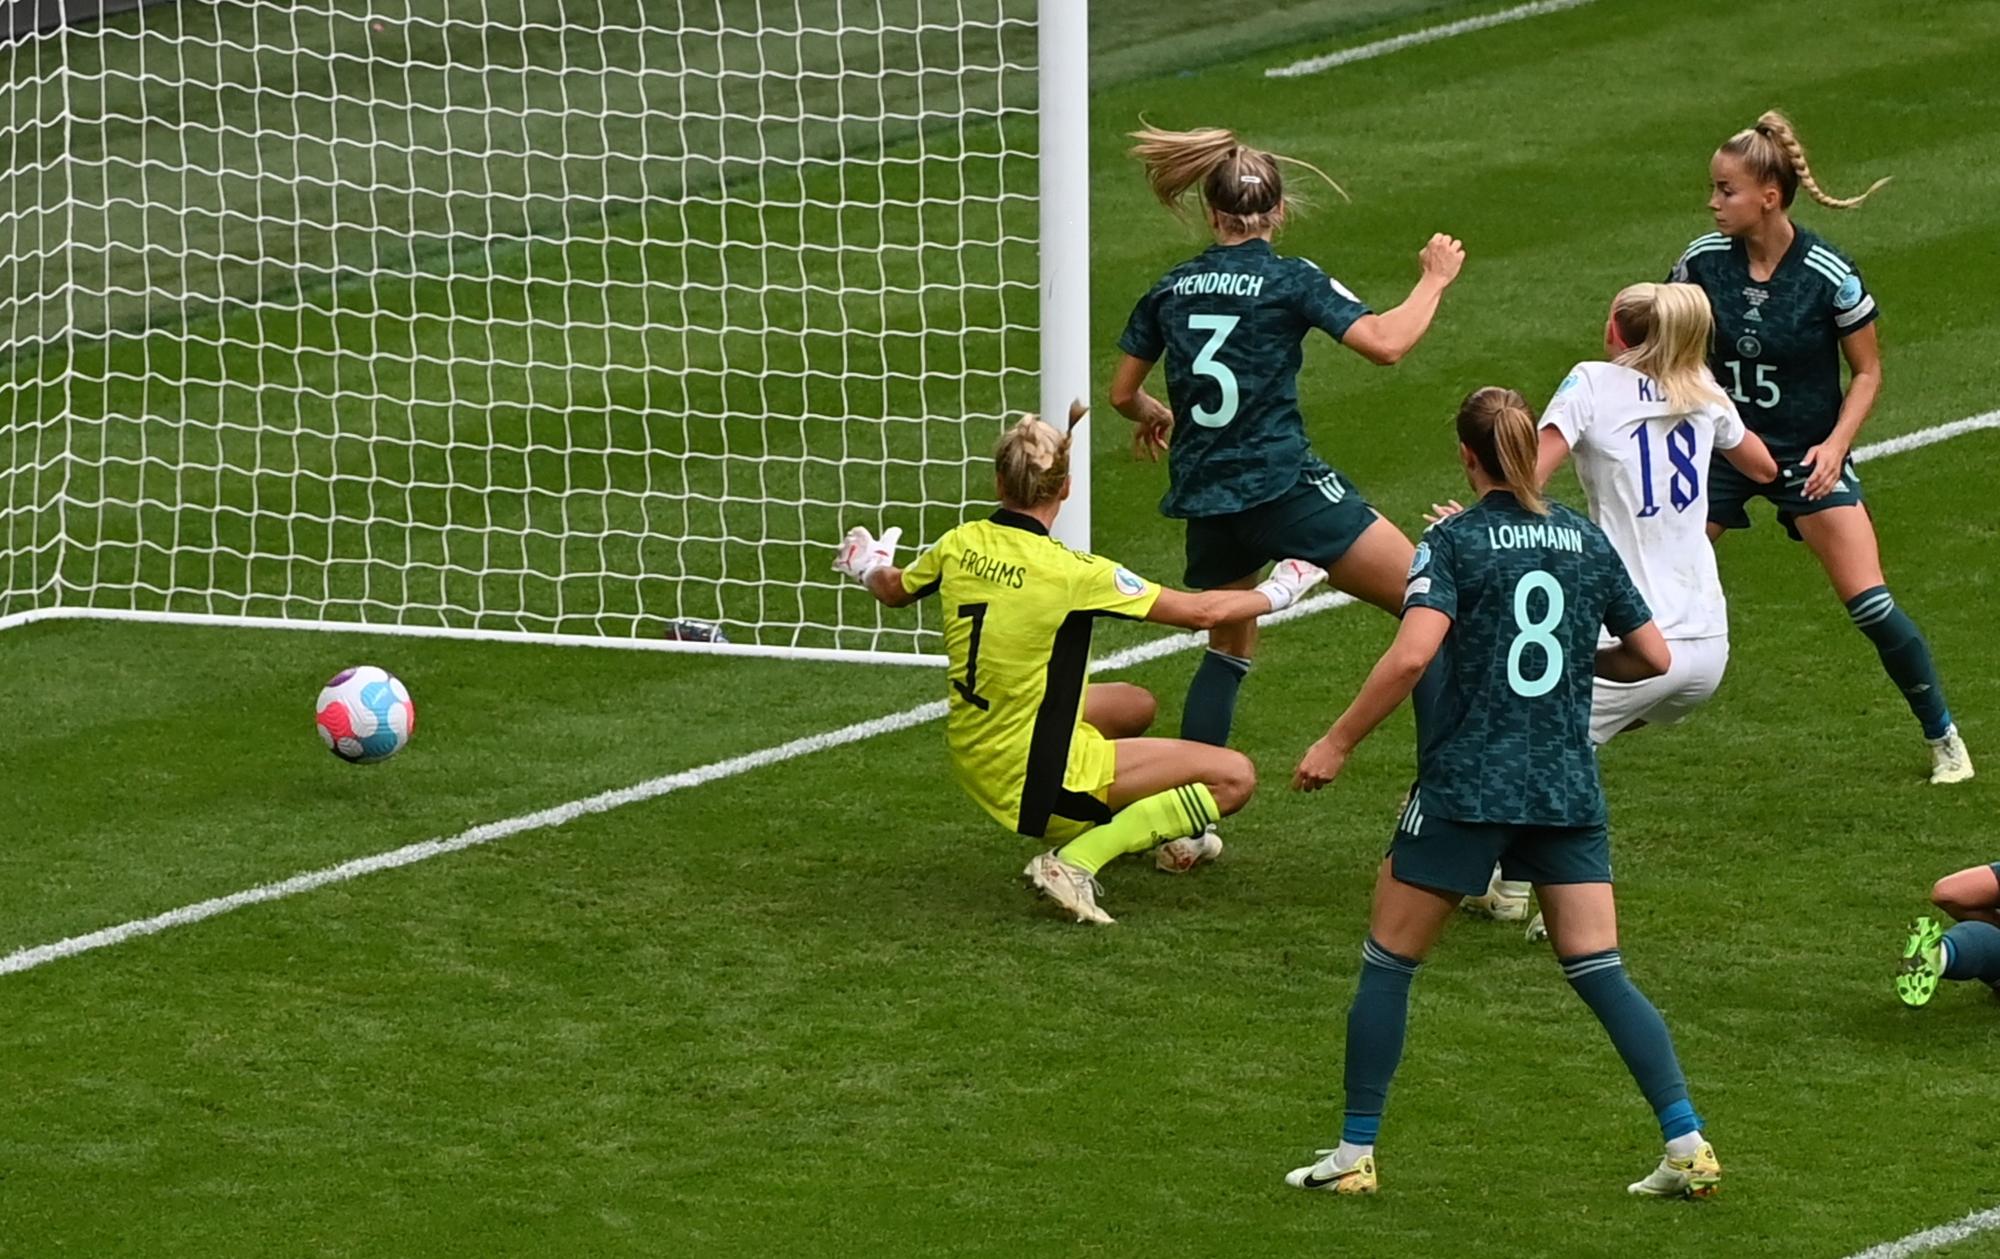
1241	187
1666	330
1031	461
1498	426
1774	155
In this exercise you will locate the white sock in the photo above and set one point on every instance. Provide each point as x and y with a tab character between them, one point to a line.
1349	1153
1685	1146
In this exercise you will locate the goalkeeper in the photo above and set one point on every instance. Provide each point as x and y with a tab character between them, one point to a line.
1046	755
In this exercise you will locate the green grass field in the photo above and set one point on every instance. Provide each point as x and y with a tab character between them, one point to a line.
809	1010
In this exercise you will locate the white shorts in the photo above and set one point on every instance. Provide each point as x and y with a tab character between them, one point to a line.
1685	686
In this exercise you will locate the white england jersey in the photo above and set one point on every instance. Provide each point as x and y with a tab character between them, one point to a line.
1644	469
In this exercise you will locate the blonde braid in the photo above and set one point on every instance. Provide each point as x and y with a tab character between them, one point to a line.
1778	128
1031	460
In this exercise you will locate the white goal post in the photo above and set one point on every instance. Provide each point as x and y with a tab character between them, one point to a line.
585	322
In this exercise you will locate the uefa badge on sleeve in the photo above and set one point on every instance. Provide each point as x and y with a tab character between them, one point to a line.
1129	583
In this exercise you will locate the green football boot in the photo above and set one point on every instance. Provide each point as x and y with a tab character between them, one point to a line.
1923	963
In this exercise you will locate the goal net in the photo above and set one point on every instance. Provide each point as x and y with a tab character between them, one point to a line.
572	318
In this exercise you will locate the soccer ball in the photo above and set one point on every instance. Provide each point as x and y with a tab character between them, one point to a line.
365	715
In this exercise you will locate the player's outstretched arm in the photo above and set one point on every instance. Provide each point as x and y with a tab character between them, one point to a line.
872	562
1639	655
1389	684
1385	338
1154	421
1210	608
1752	458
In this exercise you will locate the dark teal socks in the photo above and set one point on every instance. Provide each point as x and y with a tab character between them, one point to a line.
1905	655
1211	698
1972	951
1380	1017
1376	1023
1638	1033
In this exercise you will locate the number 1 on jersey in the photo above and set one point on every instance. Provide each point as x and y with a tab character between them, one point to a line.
966	691
1218	327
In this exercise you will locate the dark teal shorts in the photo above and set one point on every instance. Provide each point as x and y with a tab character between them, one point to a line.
1453	856
1316	520
1730	492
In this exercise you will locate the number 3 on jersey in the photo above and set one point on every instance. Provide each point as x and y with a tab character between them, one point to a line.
1218	327
1536	633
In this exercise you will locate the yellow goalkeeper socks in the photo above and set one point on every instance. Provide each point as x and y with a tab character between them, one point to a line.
1173	814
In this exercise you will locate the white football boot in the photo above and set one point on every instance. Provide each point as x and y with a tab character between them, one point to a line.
1950	762
1178	856
1696	1176
1329	1176
1069	886
1502	902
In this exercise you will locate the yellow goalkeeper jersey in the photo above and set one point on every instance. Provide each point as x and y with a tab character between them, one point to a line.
1018	608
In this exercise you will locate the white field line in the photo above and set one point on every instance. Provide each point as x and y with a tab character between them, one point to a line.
1927	436
604	802
1429	34
216	620
1931	1238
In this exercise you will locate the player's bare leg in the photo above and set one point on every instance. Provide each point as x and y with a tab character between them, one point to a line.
1969	895
1407	919
1163	790
1119	710
1149	766
1376	568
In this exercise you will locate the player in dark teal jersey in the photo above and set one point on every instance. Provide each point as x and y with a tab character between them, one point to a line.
1499	644
1229	323
1788	307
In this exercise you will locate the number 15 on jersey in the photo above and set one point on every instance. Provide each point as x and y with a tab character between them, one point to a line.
1767	388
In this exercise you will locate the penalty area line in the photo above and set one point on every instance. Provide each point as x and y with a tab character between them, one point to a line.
1428	35
652	789
1931	1238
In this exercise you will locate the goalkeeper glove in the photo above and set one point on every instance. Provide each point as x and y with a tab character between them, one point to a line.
861	552
1289	580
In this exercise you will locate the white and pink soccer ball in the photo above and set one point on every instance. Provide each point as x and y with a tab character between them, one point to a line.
365	715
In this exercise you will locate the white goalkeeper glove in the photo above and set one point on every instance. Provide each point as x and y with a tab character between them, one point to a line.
861	552
1289	580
